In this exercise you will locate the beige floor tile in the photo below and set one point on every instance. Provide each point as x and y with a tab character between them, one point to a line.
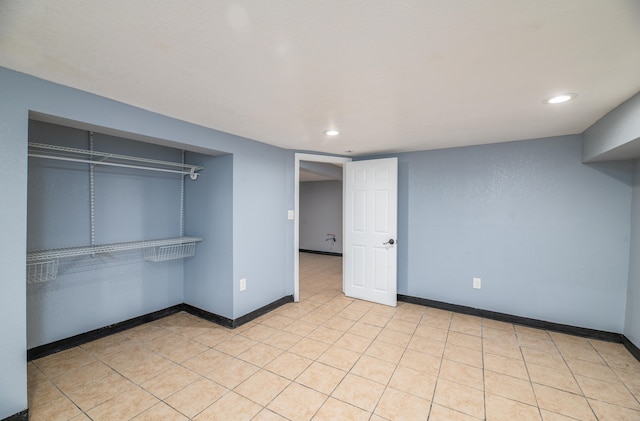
309	348
563	403
505	349
358	391
589	369
326	335
144	370
463	355
397	405
559	379
505	365
182	352
463	398
235	345
462	373
259	332
288	365
262	387
551	360
268	415
321	377
403	326
613	393
465	340
368	357
353	342
341	323
213	337
145	333
426	345
160	411
509	387
277	321
123	406
500	408
283	340
109	345
301	328
101	391
340	358
206	362
374	369
195	397
538	344
42	392
260	354
430	332
230	407
553	416
422	362
79	377
334	409
413	382
441	413
608	412
364	330
394	337
34	374
232	373
498	325
297	402
169	382
54	365
57	409
384	351
375	319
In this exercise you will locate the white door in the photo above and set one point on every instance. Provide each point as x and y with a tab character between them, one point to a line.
370	228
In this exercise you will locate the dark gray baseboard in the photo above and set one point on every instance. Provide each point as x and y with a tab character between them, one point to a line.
326	253
525	321
83	338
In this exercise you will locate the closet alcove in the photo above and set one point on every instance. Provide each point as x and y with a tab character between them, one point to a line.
116	227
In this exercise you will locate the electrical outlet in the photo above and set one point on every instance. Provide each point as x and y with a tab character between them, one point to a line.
243	284
477	283
290	215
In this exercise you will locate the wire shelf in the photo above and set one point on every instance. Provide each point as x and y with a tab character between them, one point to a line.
42	271
42	265
164	253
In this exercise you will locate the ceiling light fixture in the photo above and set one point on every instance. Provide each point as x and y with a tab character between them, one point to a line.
331	132
559	99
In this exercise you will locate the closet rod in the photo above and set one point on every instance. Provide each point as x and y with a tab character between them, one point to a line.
191	173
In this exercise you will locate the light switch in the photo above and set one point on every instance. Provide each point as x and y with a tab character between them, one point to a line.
290	215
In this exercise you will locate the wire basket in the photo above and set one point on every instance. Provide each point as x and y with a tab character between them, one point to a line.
171	252
42	271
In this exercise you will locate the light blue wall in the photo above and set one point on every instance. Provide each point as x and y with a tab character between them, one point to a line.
263	237
632	323
209	214
320	214
548	235
130	205
262	193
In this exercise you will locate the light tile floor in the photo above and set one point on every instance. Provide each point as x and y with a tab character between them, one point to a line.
334	358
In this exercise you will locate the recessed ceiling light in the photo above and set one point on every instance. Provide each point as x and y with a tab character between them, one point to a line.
331	132
559	99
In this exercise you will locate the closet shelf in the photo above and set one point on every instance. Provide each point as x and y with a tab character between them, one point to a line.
63	153
38	256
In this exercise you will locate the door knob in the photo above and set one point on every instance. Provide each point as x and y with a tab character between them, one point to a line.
391	241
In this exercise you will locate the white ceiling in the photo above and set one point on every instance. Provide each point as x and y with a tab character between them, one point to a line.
390	75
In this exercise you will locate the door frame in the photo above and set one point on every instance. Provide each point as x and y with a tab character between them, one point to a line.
336	160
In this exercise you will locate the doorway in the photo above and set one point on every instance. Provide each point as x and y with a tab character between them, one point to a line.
306	158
